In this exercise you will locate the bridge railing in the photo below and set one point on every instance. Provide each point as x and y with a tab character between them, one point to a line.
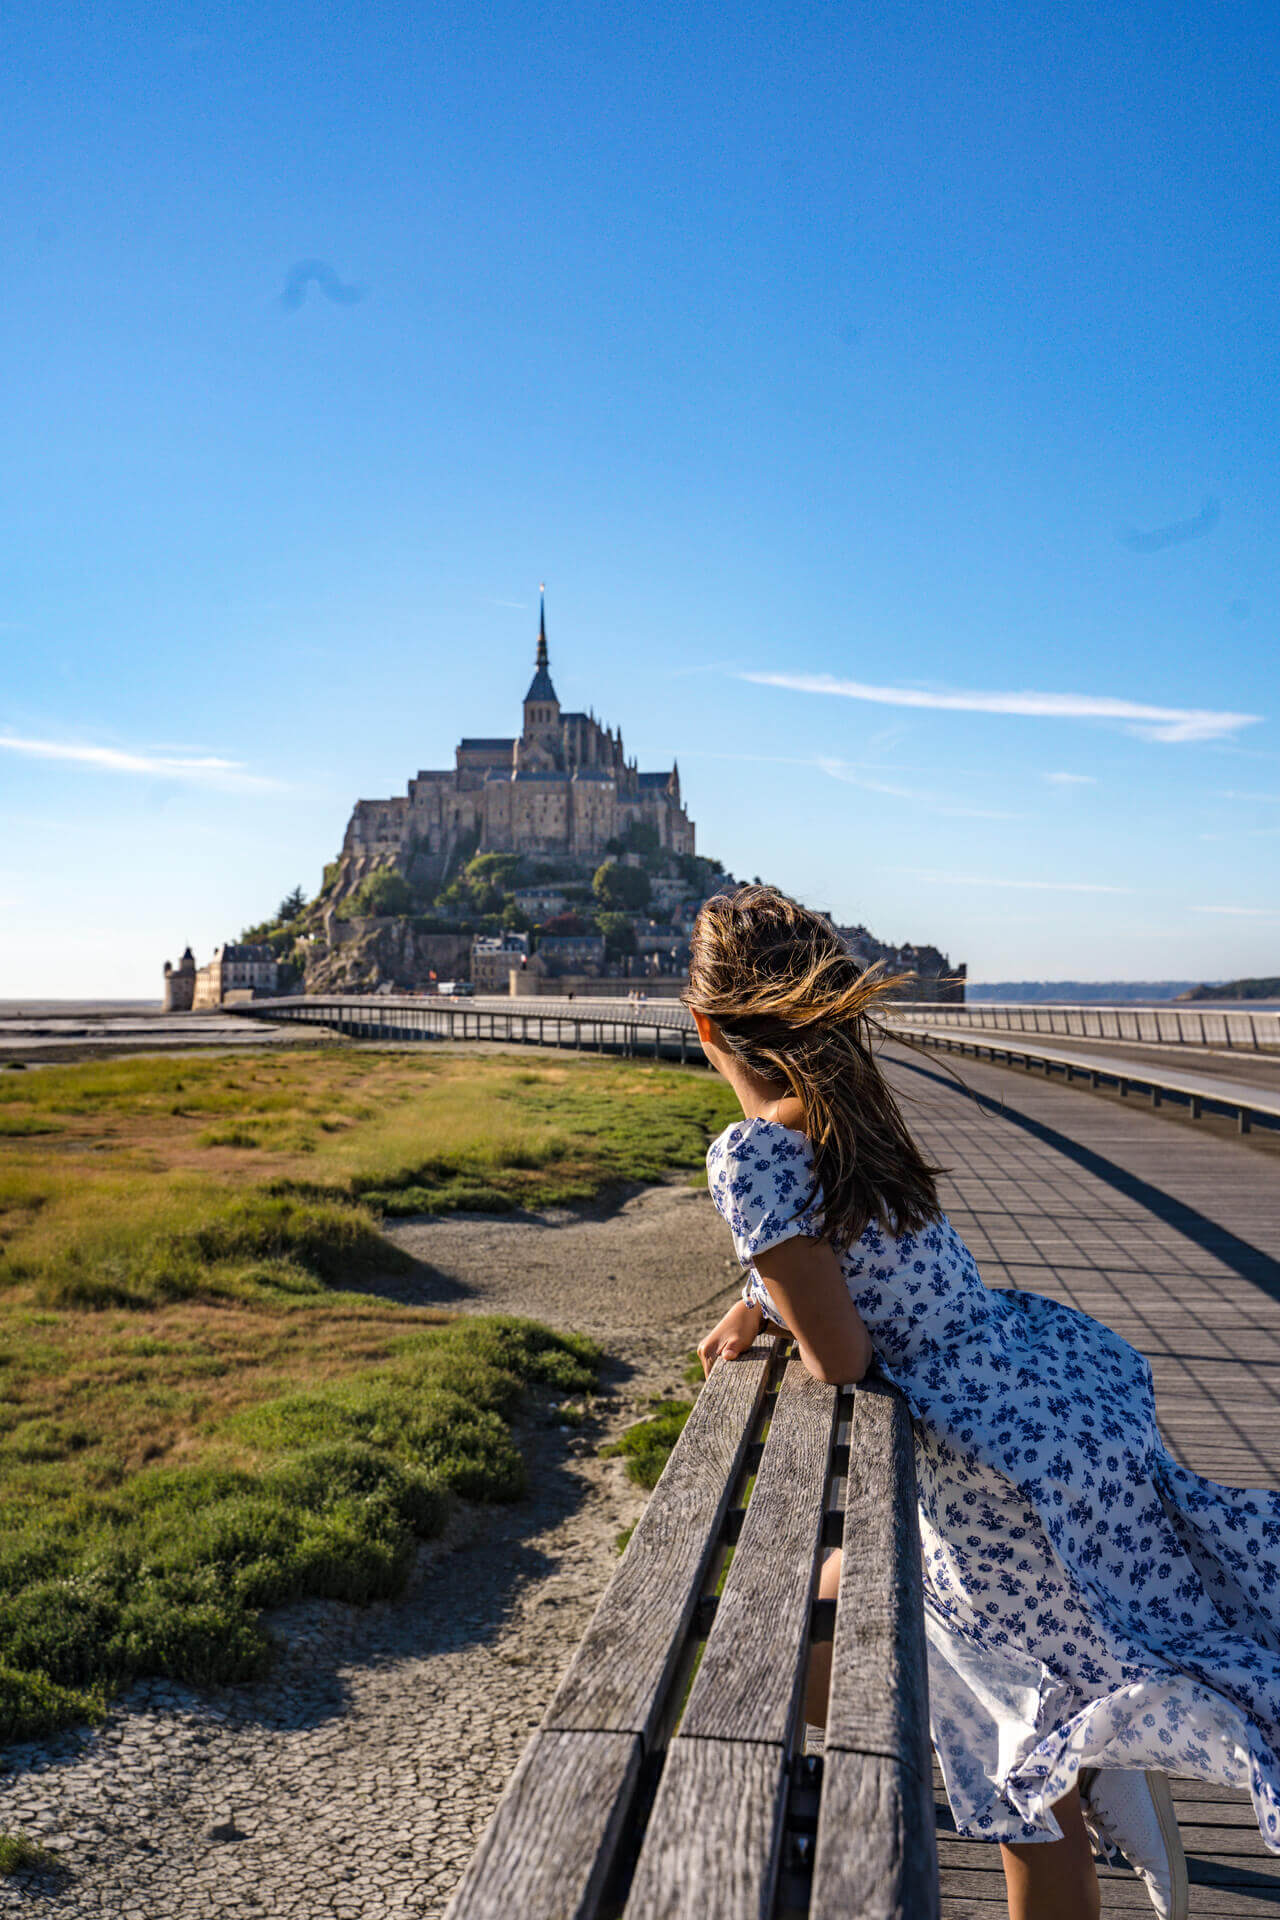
658	1029
1191	1025
631	1024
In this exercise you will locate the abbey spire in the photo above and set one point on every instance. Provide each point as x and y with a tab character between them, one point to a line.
540	687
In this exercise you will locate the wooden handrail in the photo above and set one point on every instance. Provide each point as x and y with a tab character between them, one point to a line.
631	1796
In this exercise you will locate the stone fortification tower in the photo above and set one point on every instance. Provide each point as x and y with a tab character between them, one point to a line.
180	984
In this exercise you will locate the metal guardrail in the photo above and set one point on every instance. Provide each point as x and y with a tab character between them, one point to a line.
1191	1025
661	1029
1248	1107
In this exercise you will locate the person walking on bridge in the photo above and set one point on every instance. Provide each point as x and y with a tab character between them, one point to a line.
1097	1616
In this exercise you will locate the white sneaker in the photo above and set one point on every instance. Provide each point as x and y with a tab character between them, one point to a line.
1128	1808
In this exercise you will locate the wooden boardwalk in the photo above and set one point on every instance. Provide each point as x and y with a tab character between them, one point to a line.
1173	1238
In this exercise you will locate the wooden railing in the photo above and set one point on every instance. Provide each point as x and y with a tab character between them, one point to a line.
668	1780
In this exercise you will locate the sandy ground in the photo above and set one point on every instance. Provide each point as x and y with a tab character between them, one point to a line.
356	1781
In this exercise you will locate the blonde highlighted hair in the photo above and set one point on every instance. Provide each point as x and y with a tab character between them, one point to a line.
793	1005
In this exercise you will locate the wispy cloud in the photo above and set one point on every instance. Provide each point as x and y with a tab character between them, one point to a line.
854	774
204	769
1152	723
1250	913
850	774
1267	799
1033	886
1071	779
520	606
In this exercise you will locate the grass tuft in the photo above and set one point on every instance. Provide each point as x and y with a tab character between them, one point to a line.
646	1447
20	1855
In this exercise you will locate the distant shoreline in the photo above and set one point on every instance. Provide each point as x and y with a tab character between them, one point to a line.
36	1006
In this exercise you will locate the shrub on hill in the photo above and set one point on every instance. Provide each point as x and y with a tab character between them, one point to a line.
383	893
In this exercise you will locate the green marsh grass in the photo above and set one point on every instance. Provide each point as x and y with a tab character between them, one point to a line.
204	1409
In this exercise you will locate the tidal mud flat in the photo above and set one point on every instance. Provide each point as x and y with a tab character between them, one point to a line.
356	1780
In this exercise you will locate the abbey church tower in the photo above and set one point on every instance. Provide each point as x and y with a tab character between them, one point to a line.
541	742
563	788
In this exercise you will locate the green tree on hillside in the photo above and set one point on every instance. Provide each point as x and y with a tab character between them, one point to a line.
483	884
383	893
619	934
621	889
291	906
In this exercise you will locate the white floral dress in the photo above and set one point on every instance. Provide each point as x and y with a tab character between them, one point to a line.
1088	1602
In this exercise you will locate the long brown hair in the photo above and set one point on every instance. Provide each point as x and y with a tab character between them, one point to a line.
794	1006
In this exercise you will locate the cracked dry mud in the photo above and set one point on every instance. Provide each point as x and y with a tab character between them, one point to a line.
356	1780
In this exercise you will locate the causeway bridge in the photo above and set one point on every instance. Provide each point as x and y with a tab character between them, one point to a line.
1062	1182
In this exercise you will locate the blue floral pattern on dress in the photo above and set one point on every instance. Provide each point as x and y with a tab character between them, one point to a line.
1088	1601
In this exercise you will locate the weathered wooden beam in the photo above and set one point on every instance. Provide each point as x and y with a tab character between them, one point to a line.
879	1692
547	1851
712	1844
620	1675
769	1587
875	1854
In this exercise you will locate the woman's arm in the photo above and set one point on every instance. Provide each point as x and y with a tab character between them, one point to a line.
731	1335
804	1277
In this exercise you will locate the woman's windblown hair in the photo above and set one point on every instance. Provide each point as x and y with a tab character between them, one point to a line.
795	1007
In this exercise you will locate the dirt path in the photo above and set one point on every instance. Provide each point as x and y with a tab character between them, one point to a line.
357	1780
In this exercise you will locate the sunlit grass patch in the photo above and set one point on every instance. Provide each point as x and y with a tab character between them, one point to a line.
317	1492
205	1407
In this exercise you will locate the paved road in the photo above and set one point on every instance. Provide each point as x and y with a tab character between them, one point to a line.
1171	1236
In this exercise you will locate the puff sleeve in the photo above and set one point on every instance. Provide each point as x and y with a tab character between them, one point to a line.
761	1178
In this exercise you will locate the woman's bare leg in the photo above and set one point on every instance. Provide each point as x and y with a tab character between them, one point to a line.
1054	1879
818	1685
1048	1880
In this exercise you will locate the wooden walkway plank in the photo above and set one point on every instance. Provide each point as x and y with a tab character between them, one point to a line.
547	1852
620	1675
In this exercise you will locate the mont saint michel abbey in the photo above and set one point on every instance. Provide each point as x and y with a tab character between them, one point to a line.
564	787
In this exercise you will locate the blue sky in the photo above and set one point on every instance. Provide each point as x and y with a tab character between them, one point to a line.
890	411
